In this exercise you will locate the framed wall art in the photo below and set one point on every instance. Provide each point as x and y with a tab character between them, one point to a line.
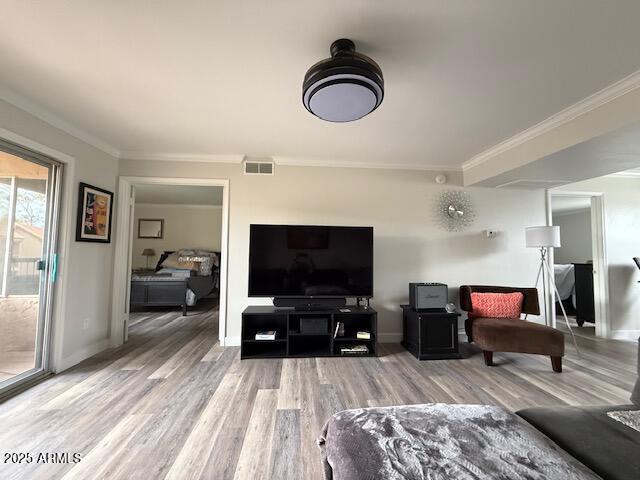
94	214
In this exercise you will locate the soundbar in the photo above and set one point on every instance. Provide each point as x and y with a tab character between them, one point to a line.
309	303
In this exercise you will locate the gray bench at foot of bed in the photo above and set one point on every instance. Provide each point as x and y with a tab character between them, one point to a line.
159	292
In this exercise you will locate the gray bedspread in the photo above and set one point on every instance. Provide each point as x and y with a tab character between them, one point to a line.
201	286
439	441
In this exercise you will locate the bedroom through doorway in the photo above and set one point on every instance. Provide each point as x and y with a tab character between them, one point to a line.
573	263
175	255
580	263
171	276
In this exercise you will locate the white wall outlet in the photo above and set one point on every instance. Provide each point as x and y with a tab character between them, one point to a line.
491	233
85	324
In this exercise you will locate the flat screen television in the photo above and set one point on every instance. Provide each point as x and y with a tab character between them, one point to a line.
310	261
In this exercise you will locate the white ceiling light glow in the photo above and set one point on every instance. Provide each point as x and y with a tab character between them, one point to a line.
345	87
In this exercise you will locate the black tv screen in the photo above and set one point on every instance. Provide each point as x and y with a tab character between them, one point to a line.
310	261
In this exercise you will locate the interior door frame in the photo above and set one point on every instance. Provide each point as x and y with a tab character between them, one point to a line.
121	269
22	148
600	262
131	213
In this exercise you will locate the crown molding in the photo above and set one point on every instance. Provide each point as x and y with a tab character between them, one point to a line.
182	157
278	161
297	162
598	99
54	120
179	205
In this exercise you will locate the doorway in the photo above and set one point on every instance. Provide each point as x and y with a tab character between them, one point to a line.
580	267
29	205
149	253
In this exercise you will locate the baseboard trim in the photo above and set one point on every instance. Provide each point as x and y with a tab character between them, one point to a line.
231	342
631	335
83	354
389	337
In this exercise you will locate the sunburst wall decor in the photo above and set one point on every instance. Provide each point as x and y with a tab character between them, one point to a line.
454	210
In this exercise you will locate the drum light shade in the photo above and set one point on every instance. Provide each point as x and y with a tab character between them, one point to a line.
543	236
345	87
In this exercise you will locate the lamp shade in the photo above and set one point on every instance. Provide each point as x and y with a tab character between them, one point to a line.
543	236
148	252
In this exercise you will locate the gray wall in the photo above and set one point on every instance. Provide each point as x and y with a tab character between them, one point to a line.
185	226
409	246
575	234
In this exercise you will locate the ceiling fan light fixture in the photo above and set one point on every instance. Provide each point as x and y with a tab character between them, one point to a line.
345	87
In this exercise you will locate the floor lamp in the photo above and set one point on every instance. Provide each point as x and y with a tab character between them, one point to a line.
544	238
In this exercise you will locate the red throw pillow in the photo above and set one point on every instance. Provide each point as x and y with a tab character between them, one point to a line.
496	305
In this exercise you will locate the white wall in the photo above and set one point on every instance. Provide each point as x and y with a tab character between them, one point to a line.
575	232
409	247
185	226
83	289
622	230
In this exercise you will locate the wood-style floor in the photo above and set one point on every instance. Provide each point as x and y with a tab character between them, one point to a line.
173	404
586	330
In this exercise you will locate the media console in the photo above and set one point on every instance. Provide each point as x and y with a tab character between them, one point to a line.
292	341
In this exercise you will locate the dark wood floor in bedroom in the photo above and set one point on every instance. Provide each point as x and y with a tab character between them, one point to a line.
173	404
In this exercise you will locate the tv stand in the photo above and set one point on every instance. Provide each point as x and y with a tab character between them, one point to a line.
310	303
292	340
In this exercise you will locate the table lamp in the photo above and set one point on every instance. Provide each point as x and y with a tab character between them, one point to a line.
148	252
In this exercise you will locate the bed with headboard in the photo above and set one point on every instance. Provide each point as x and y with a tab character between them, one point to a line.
181	278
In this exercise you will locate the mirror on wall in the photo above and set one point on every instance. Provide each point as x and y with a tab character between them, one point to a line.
150	227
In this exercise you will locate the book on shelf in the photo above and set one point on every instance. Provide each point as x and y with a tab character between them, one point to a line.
266	335
354	350
363	335
339	332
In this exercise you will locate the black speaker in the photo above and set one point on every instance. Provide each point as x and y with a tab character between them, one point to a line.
428	296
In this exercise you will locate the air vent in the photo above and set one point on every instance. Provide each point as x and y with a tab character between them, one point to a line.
529	184
255	167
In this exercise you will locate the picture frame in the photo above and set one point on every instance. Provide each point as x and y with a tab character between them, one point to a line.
95	211
151	228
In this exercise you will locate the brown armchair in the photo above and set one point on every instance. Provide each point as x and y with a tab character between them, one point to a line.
512	334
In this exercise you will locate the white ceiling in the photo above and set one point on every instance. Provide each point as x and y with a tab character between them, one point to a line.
225	77
611	153
178	195
563	205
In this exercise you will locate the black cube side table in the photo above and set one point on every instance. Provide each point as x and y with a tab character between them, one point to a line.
430	335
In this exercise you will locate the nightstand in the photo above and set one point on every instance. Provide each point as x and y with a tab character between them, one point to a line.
430	335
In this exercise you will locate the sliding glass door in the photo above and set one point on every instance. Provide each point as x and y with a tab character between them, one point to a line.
29	197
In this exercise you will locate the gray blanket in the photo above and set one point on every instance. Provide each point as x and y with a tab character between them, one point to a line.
438	441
